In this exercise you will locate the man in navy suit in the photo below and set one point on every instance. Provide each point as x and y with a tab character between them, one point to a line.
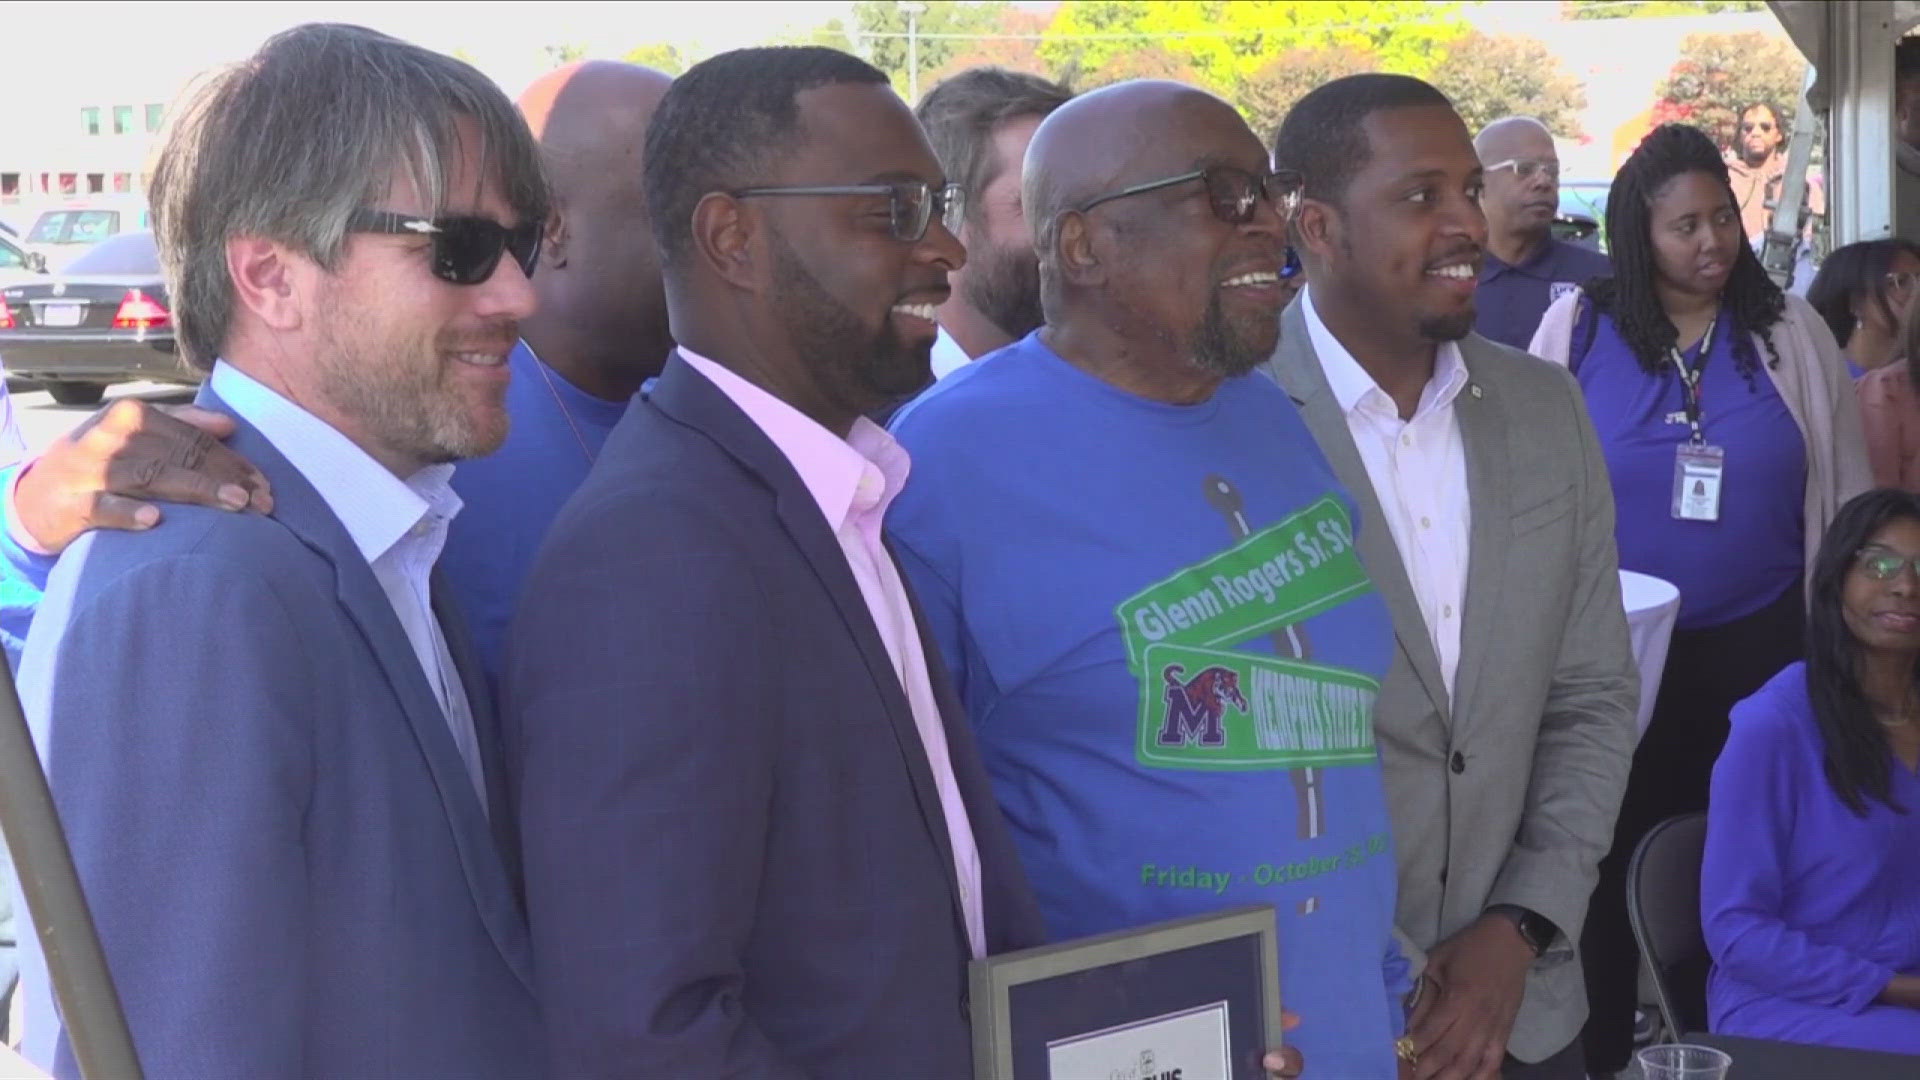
758	840
267	736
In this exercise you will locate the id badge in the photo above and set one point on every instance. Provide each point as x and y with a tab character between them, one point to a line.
1697	471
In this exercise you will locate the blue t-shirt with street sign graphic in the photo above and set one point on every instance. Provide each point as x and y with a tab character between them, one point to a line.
1169	653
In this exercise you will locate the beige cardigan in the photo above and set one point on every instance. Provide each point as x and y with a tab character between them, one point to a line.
1811	379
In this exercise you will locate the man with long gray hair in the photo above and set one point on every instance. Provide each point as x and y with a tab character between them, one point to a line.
281	786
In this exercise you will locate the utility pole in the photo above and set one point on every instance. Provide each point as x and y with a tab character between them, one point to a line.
913	10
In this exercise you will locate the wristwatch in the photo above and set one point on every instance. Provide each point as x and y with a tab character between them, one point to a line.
1535	929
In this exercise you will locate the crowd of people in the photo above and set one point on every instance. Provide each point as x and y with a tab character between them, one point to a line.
575	634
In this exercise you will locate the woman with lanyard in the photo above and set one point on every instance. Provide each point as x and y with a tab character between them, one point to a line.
1732	437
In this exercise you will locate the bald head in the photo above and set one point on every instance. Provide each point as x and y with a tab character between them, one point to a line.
1511	137
591	119
1170	277
1110	138
602	319
1522	192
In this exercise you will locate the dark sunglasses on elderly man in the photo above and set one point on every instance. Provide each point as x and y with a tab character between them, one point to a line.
466	249
911	204
1232	193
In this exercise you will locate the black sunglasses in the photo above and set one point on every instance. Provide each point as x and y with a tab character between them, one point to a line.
466	249
911	204
1232	193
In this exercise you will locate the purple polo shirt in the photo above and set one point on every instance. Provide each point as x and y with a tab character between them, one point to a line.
1511	299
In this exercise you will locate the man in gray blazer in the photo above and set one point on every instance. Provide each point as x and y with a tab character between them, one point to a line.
1506	724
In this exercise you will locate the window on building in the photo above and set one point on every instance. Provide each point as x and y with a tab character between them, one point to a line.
96	183
69	183
9	185
91	118
122	183
122	119
155	114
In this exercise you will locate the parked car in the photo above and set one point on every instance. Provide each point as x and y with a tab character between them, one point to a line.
105	319
1583	212
17	264
63	232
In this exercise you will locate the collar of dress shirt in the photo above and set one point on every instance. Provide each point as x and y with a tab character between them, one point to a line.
848	478
376	507
1352	386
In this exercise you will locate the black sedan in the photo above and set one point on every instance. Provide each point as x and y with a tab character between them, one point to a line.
105	319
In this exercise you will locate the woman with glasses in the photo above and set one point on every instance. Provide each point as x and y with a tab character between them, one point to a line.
1861	291
1810	891
1732	437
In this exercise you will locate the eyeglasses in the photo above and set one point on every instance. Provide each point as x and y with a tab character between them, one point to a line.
1882	565
911	204
1232	193
1902	280
1756	125
466	249
1525	169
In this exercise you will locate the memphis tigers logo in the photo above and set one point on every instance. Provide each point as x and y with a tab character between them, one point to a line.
1196	707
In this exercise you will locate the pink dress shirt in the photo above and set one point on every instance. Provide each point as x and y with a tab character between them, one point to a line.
853	480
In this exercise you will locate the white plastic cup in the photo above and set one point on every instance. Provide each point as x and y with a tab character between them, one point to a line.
1680	1061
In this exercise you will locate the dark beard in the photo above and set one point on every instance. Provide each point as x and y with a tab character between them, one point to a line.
1448	327
1006	290
833	344
1222	348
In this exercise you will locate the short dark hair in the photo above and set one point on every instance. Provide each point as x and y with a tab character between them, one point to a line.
1321	138
1779	118
1853	272
724	124
960	114
1856	759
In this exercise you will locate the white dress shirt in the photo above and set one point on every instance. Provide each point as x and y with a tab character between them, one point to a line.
398	526
853	480
1419	472
948	357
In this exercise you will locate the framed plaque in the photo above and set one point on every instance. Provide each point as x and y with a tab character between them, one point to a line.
1191	999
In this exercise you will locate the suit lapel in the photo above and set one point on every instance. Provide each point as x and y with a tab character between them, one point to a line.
486	722
1297	368
1483	432
301	509
692	399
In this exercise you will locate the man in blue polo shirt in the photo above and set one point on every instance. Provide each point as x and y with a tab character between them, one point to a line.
1142	575
600	332
1524	267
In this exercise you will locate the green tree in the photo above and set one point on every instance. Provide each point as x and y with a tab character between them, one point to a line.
1151	62
1717	75
560	55
1654	9
1491	77
831	34
660	55
1015	46
1268	93
1227	41
879	34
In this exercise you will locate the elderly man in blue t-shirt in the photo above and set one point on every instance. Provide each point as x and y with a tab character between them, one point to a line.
1524	268
1142	574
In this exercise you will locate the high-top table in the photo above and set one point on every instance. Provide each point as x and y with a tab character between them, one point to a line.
1652	606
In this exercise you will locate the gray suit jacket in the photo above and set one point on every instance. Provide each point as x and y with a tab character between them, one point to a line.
1506	795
